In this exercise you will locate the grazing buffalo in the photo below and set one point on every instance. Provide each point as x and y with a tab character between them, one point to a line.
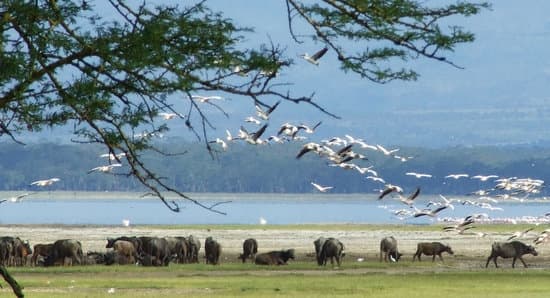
41	250
432	249
275	257
333	249
6	248
212	251
65	250
180	250
135	241
126	252
194	246
154	251
388	248
318	244
250	248
514	249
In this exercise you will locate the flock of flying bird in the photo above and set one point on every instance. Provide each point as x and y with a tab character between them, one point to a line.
340	152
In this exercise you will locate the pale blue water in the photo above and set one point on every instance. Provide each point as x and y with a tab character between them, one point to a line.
244	209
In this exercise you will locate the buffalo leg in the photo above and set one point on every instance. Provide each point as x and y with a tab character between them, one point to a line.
521	259
488	260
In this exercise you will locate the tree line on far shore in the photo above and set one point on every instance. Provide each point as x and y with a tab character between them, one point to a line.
273	169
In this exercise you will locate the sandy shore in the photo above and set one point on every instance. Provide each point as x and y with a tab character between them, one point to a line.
359	244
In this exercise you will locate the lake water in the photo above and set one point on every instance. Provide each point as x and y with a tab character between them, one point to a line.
112	209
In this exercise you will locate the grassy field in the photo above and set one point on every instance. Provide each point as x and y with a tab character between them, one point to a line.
369	279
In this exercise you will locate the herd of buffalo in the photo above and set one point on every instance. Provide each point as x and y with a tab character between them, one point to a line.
157	251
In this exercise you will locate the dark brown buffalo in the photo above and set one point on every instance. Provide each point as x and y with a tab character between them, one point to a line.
275	257
65	252
212	251
318	244
432	249
388	248
194	246
6	248
332	249
514	249
250	248
154	251
41	250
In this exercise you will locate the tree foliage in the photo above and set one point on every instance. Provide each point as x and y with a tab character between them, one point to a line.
64	64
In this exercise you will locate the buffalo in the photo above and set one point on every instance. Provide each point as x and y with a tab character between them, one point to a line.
63	250
514	249
41	250
333	249
432	249
126	252
212	251
318	244
194	246
154	251
388	248
250	248
274	257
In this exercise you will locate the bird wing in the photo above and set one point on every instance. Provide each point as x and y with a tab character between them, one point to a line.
414	194
271	109
319	54
259	132
386	192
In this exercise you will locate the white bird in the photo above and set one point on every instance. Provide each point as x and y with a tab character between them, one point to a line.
376	179
169	116
111	291
431	213
265	114
105	168
201	98
457	176
221	142
314	59
418	175
253	137
386	151
484	178
519	234
321	188
251	119
126	222
17	199
113	156
263	221
45	182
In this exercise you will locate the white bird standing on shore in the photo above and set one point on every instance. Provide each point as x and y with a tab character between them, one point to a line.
314	59
321	188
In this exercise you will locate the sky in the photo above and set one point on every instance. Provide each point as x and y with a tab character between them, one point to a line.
501	97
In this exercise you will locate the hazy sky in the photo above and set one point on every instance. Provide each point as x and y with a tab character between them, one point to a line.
500	97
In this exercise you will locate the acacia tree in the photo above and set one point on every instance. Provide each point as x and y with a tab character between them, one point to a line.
62	63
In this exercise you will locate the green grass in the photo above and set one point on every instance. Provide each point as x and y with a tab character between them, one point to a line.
369	279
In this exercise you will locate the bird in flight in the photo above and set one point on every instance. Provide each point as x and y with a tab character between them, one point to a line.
105	168
418	175
431	213
321	188
18	198
45	182
484	178
314	59
265	114
457	176
201	98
